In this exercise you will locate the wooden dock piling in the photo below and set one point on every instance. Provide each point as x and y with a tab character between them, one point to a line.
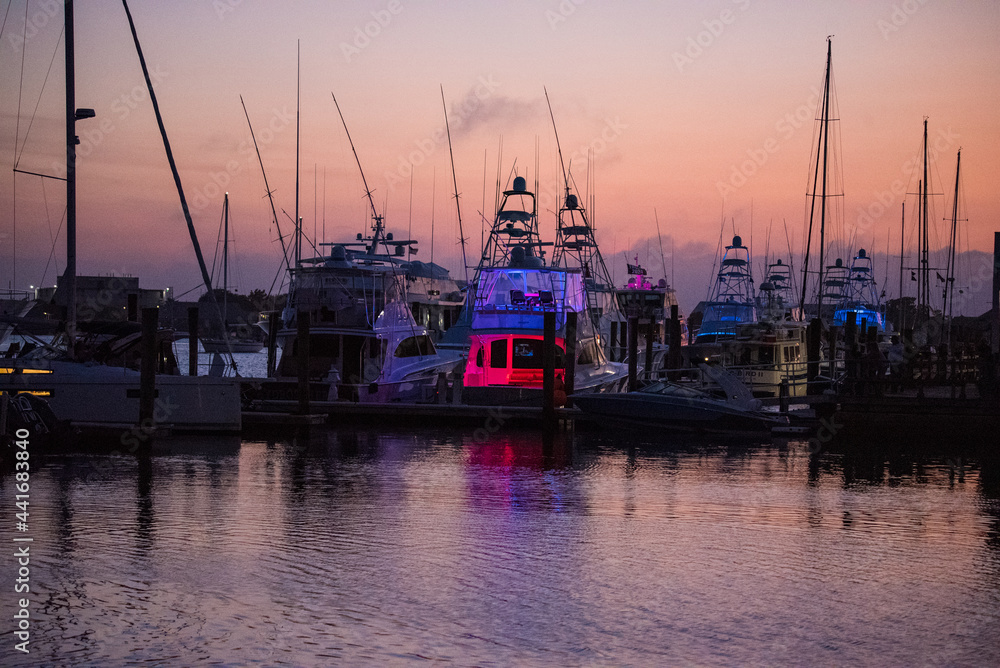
193	341
548	368
570	341
633	352
147	370
302	359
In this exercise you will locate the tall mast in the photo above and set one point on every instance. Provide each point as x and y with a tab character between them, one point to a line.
298	221
901	316
822	148
225	263
924	247
70	282
949	286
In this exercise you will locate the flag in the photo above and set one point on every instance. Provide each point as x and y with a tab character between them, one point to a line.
636	270
913	275
940	277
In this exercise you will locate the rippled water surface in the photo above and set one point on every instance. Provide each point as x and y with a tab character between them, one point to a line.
355	547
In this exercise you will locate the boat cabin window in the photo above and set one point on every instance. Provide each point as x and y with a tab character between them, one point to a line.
414	346
587	353
498	354
528	354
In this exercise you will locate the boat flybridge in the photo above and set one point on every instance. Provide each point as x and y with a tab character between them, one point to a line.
860	296
514	290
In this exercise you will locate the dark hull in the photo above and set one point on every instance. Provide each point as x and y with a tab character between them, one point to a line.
652	411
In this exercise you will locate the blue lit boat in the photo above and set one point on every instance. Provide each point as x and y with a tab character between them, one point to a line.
732	301
860	295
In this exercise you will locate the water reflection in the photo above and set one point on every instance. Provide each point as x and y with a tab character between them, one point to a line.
355	546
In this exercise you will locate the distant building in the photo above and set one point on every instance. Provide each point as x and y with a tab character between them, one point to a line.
101	298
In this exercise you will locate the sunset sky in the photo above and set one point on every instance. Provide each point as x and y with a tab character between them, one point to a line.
701	111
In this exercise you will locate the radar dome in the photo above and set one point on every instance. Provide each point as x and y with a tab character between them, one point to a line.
520	185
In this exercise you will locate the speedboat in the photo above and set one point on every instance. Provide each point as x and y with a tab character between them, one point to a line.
723	405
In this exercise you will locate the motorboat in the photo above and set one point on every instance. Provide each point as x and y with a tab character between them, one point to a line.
722	404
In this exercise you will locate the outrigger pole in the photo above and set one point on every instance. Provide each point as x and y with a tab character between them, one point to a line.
454	180
177	182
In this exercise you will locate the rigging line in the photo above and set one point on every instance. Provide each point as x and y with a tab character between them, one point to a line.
454	178
270	197
52	250
20	86
48	219
5	14
38	102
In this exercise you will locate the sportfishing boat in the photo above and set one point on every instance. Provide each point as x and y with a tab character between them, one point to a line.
651	304
514	291
860	295
364	342
717	402
763	353
731	301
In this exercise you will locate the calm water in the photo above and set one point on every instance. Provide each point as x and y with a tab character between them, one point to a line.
364	548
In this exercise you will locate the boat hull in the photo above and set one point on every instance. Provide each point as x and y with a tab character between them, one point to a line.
652	411
95	395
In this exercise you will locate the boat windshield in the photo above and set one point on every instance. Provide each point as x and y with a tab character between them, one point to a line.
671	389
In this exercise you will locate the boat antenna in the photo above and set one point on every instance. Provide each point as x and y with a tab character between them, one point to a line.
377	227
177	181
267	188
409	220
454	179
562	165
663	259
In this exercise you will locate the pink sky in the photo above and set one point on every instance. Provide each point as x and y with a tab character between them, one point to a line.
698	111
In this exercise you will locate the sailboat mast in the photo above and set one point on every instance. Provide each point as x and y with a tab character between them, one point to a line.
924	247
949	286
901	316
225	263
826	144
70	283
298	88
824	129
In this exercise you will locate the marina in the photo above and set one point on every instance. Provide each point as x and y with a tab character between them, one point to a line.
524	447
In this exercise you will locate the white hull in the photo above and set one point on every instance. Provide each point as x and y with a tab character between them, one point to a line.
109	396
